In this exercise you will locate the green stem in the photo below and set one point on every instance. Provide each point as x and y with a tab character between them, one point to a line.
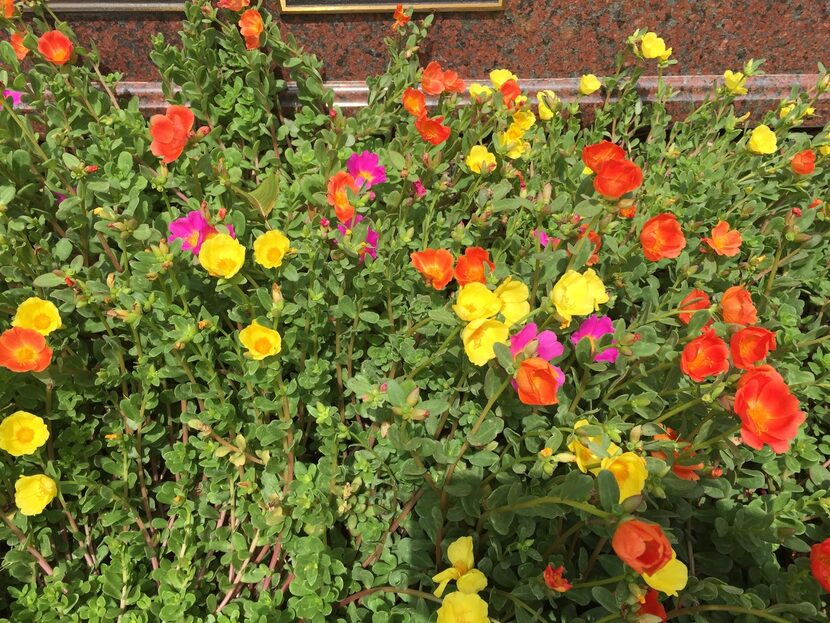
583	506
612	580
714	440
677	410
387	589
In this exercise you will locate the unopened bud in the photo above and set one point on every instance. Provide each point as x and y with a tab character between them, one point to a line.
636	433
564	457
632	503
203	131
413	397
91	168
221	213
276	294
110	280
545	453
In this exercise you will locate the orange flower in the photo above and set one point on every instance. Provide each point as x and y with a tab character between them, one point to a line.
597	155
470	266
8	9
804	162
414	102
820	563
338	197
642	546
537	382
452	83
20	50
681	467
694	301
768	411
432	80
24	350
725	241
233	5
618	177
628	211
171	132
750	345
431	130
705	356
251	27
555	579
594	239
435	265
737	306
661	237
400	17
55	47
509	92
651	605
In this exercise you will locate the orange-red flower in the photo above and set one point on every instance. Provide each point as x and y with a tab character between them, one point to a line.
804	162
595	240
661	237
452	83
706	355
509	92
820	563
597	155
750	345
251	27
414	102
470	266
642	546
537	382
435	265
682	466
694	301
24	350
652	606
628	211
432	80
555	579
725	241
55	47
768	411
233	5
337	195
20	50
431	130
8	9
400	17
737	307
618	177
170	132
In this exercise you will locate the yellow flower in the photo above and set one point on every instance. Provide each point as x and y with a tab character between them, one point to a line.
37	314
512	141
22	433
788	107
513	296
670	578
480	160
476	301
480	336
480	92
586	460
499	76
824	150
270	248
548	103
578	294
260	341
586	170
520	100
588	84
735	82
523	119
222	256
468	579
653	46
463	608
33	493
630	472
762	140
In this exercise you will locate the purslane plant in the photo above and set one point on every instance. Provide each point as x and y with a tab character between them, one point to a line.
462	356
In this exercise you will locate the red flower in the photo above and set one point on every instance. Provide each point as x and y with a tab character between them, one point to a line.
820	563
725	241
8	8
737	306
337	195
694	301
431	130
55	47
170	132
599	154
642	546
661	237
804	162
400	17
20	50
618	177
705	356
432	80
452	83
555	580
435	265
628	211
813	204
414	102
750	345
24	350
537	382
251	27
470	266
768	411
509	92
652	606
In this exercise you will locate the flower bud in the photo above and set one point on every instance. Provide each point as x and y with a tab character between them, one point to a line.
91	168
545	453
564	457
413	397
203	131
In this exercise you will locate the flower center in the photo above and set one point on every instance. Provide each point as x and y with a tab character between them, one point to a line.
25	354
193	239
25	435
42	322
263	345
225	264
274	254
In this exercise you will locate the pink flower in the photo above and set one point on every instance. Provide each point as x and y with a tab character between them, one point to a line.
544	344
15	96
369	246
366	169
544	239
420	191
594	327
192	229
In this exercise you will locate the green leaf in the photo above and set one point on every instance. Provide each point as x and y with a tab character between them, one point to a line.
49	280
264	198
609	490
487	432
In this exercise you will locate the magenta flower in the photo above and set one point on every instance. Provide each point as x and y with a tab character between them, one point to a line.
594	328
369	246
544	344
192	229
544	239
418	186
366	169
15	96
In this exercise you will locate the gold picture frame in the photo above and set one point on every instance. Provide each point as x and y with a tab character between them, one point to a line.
311	6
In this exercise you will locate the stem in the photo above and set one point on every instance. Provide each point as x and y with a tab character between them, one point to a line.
612	580
761	614
389	589
676	410
41	561
583	506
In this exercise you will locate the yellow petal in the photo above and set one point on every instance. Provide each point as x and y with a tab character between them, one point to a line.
472	582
